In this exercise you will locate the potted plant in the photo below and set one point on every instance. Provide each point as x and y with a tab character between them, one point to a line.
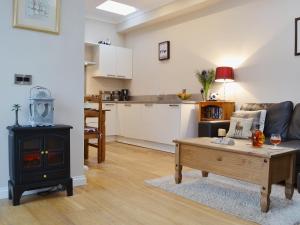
206	78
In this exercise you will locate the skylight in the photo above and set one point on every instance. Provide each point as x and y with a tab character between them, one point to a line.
116	7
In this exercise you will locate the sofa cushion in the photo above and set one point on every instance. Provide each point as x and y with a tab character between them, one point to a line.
278	119
294	128
240	128
258	116
256	106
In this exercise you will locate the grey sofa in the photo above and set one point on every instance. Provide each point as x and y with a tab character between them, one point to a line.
282	118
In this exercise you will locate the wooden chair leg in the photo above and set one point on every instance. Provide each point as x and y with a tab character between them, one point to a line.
103	137
99	150
86	149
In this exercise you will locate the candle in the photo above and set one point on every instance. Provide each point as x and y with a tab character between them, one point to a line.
221	132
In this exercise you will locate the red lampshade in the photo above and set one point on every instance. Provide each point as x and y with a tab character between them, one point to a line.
224	74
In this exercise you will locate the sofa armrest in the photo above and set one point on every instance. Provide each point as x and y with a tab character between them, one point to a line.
298	182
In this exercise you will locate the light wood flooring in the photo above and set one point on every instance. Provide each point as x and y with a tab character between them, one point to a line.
116	195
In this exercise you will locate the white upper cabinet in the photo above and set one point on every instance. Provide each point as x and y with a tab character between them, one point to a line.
114	62
124	62
107	65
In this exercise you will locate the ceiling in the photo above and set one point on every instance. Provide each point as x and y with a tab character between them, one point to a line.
141	5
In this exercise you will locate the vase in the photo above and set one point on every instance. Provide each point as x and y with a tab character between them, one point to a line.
206	95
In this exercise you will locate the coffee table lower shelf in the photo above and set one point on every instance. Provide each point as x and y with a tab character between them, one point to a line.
241	161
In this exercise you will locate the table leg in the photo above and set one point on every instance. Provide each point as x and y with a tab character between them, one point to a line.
178	166
266	187
204	174
265	198
289	183
178	174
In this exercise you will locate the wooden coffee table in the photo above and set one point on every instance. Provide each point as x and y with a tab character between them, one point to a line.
262	166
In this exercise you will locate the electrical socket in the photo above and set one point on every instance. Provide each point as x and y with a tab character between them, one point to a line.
22	79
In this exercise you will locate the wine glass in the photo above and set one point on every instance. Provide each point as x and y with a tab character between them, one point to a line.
275	140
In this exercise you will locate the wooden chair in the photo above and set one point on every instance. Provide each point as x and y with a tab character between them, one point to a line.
95	132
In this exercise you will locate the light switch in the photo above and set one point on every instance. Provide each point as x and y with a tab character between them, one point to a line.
22	79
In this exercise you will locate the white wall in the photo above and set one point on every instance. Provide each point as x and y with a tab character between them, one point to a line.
96	31
257	38
55	62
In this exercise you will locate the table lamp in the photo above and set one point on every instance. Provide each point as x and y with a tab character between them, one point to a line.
225	75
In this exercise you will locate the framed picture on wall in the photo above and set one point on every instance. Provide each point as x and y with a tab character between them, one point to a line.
37	15
164	50
297	36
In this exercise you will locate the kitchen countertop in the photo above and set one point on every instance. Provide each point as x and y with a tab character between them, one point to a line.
152	102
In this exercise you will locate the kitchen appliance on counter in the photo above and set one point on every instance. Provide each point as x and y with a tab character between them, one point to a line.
107	95
116	95
124	95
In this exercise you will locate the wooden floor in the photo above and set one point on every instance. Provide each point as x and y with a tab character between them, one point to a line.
116	194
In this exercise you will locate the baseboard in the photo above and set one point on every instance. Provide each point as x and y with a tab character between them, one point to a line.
147	144
77	181
3	192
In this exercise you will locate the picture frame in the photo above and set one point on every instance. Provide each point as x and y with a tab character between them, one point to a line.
297	36
164	50
37	15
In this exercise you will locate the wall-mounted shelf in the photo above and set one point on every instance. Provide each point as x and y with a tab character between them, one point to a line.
91	44
89	63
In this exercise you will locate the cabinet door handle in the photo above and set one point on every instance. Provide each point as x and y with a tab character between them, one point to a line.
121	76
42	152
148	105
44	176
107	104
109	75
46	152
174	105
127	105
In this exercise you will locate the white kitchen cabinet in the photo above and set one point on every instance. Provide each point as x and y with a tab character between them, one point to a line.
107	65
160	123
149	122
168	127
124	63
114	62
130	120
112	120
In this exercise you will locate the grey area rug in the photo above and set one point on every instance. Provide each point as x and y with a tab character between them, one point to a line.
235	197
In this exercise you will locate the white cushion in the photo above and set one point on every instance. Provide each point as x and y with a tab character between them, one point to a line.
240	128
258	116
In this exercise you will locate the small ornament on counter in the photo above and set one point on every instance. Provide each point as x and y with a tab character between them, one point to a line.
183	95
16	108
214	96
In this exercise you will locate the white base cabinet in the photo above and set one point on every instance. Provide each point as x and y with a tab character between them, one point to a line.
130	116
160	123
112	120
156	123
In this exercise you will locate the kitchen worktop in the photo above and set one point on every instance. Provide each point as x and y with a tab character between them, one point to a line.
158	99
152	102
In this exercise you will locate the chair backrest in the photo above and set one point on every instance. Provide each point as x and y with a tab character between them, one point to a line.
95	99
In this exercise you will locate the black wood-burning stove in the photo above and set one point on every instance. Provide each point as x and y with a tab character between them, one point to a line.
39	157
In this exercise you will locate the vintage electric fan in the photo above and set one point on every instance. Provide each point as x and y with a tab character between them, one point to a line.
41	107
